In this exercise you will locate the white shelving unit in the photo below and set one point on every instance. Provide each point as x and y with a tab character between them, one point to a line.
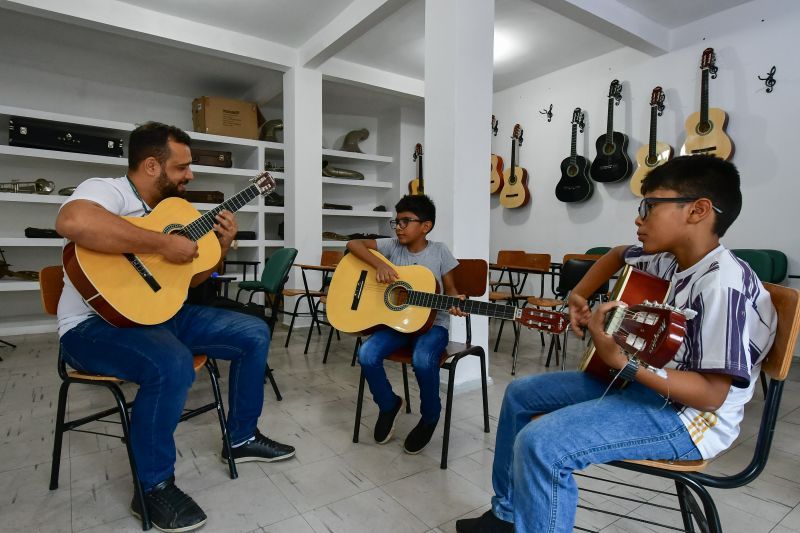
340	155
69	169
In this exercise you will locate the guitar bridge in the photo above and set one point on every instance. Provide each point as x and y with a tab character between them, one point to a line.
359	290
142	270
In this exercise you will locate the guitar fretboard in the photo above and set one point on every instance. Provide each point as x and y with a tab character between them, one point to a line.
573	153
610	123
704	99
205	223
651	153
442	302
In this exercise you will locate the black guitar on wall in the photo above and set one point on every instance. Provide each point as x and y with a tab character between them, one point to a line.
575	185
612	162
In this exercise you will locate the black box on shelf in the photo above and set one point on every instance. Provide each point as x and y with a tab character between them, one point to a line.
62	136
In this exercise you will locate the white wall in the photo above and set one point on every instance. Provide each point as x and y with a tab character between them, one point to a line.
762	126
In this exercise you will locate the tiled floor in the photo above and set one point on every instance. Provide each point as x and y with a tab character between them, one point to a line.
333	485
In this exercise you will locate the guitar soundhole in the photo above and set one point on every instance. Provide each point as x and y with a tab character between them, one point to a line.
704	128
396	296
609	148
651	161
572	171
173	228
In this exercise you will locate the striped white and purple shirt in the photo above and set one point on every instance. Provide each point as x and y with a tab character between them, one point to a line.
731	334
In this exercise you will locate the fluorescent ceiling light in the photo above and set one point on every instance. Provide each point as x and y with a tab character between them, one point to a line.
504	46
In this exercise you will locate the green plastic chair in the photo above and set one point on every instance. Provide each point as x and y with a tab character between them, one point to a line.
780	265
274	276
598	250
760	261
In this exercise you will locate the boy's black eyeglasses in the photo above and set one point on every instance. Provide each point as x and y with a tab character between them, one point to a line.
403	222
647	204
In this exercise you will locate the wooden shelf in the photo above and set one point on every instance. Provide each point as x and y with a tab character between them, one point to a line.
339	155
357	183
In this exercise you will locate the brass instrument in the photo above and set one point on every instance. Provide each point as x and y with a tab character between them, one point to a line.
270	129
40	186
333	172
352	139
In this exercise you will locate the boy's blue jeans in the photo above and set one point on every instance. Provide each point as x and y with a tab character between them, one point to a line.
534	460
427	349
160	360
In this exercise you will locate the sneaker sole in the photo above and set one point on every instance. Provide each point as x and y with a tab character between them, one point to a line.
239	460
176	530
409	452
394	423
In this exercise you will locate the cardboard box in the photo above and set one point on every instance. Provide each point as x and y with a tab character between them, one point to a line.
225	116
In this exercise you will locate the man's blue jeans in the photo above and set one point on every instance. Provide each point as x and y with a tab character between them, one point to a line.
534	460
160	360
427	349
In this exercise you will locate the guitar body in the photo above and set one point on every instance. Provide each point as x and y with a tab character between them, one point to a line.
633	287
496	175
644	165
112	286
713	141
415	187
574	185
515	191
612	162
357	302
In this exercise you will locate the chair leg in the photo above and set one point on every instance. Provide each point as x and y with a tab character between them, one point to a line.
484	391
515	349
271	378
59	434
308	337
708	520
405	388
223	426
291	324
355	351
763	378
550	351
564	351
499	334
359	402
328	346
541	336
448	411
686	512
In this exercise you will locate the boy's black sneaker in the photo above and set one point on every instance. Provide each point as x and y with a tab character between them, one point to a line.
419	437
170	509
261	449
384	427
486	523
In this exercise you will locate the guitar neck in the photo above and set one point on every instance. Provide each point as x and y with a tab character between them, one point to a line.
512	178
704	98
610	127
574	147
442	302
205	223
419	172
653	121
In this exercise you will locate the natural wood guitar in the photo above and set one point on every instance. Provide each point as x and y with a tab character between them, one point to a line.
644	327
656	153
358	302
515	191
496	171
416	187
145	289
705	129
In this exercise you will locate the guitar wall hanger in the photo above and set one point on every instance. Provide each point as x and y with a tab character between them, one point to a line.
495	125
548	113
770	80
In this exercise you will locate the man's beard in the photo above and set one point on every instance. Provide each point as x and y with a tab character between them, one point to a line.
165	187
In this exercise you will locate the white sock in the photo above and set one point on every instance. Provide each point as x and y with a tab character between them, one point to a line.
251	439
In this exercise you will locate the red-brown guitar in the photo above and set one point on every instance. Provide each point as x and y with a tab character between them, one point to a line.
645	328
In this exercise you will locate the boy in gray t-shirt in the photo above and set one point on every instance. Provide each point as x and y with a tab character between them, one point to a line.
416	216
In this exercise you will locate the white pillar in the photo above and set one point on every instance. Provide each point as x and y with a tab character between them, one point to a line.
302	130
458	107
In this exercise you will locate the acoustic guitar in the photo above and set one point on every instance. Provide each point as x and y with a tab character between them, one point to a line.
145	289
705	130
515	191
644	327
496	172
357	302
575	185
416	186
656	153
612	162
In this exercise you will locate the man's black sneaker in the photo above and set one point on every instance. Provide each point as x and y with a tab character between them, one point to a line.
170	508
384	427
261	449
486	523
419	437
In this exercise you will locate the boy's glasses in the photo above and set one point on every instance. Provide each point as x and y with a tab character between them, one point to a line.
402	223
647	204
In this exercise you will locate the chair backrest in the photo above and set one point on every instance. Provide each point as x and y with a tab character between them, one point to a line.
277	268
601	250
537	261
51	283
780	265
787	304
589	257
471	276
572	272
759	260
331	257
510	257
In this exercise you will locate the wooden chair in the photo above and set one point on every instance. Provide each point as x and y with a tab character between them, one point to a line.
51	283
470	278
687	475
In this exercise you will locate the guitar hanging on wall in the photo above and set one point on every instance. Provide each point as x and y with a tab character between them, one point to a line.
612	162
705	129
416	187
575	185
496	173
515	191
656	153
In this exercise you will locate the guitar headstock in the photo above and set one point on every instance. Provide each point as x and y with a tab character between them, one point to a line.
657	99
265	183
495	125
578	117
648	331
709	62
615	91
417	151
543	319
517	134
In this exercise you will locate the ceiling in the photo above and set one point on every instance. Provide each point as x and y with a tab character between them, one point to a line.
289	22
673	14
